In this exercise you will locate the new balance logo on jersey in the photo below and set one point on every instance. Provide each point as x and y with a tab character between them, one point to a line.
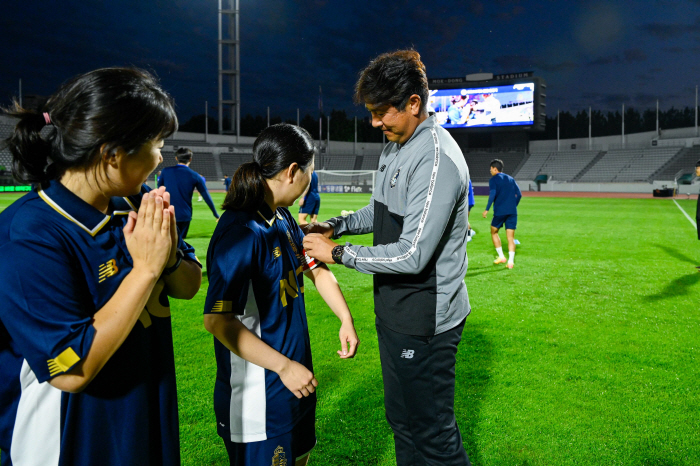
382	169
407	354
107	269
277	252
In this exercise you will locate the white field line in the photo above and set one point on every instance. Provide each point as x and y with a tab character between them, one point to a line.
692	222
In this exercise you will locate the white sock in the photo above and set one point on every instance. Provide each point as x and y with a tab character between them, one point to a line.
511	257
500	252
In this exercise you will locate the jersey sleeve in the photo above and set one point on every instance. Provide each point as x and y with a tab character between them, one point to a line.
46	307
230	266
202	188
492	193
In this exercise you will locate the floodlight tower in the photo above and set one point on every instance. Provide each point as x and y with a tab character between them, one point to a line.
229	67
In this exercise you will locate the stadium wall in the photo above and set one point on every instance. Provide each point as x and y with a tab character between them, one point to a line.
682	137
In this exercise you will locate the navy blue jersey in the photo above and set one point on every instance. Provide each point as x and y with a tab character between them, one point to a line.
181	181
62	261
313	187
471	200
255	265
504	193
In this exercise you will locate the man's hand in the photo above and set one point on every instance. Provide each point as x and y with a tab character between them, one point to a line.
486	212
319	247
301	202
323	228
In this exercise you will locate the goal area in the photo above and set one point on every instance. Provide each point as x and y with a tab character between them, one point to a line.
345	181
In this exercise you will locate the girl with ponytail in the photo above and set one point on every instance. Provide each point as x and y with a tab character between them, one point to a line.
89	259
264	395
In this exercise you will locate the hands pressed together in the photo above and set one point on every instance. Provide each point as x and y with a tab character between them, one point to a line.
151	234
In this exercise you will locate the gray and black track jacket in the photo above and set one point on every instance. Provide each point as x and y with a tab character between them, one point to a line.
418	213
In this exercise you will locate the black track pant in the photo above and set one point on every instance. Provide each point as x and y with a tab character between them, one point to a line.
419	394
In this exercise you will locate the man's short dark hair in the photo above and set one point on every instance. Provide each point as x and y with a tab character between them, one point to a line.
497	164
391	79
697	164
183	155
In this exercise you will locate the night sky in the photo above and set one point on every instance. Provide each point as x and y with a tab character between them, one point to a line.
593	53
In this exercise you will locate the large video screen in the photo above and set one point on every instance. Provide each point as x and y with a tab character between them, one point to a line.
509	105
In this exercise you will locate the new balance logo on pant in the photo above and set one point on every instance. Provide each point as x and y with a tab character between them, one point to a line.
407	353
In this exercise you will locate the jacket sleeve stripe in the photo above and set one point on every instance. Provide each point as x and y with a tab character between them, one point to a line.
424	216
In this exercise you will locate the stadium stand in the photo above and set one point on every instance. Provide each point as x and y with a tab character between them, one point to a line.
231	162
684	160
589	166
532	166
202	162
195	146
632	165
340	162
629	165
205	165
478	163
565	165
370	162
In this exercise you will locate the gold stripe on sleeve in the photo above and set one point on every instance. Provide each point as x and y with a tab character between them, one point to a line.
63	361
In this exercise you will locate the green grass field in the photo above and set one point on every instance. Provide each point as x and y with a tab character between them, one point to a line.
587	352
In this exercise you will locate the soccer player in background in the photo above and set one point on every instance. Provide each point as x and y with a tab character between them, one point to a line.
697	209
505	196
181	181
471	203
310	201
418	260
264	397
227	182
89	259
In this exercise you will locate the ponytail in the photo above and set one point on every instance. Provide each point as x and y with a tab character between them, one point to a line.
31	153
247	189
111	107
276	148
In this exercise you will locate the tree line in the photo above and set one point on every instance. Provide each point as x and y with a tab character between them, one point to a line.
575	125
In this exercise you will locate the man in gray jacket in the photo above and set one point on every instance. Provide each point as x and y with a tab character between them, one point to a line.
418	214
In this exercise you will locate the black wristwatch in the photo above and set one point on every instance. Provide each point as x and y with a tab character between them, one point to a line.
179	254
337	254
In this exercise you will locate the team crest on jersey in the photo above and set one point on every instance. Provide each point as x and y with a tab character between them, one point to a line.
277	252
280	458
107	269
394	178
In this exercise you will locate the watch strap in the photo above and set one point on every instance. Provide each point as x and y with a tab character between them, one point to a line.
179	254
337	254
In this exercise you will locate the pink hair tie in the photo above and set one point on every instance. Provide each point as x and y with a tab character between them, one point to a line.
47	118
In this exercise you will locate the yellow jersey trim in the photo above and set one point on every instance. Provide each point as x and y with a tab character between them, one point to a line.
63	361
222	306
133	207
58	209
269	222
